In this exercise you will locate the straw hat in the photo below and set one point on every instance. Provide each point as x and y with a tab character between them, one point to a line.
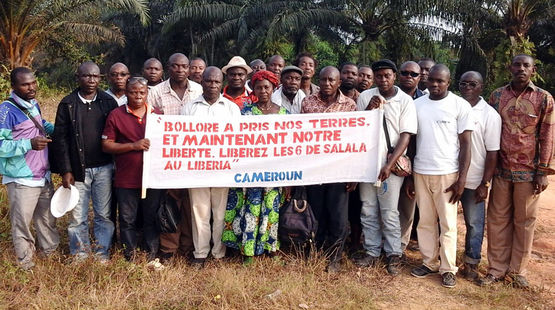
237	61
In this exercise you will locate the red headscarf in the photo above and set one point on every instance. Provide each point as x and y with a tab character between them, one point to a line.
265	75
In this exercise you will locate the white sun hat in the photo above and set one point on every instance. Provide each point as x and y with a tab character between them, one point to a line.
237	61
64	200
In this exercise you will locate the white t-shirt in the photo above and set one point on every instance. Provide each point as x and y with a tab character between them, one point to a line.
439	124
399	113
292	107
486	137
121	100
222	107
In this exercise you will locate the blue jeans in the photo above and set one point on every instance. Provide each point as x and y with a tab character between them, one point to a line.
98	186
474	219
380	216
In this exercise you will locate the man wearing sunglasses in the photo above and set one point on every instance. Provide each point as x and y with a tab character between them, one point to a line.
80	120
484	148
409	77
117	77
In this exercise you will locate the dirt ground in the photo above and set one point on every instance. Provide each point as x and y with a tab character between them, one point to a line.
542	264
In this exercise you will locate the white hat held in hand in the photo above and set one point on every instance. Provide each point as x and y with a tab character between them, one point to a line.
64	200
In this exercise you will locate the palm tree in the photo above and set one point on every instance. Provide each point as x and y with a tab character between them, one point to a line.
24	24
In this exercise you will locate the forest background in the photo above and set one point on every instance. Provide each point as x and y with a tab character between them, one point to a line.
54	36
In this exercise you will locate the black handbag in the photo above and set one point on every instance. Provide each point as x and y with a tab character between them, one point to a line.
168	215
297	223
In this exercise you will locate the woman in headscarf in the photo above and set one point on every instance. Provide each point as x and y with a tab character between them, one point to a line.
252	214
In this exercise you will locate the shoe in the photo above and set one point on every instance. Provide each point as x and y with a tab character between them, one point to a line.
393	264
248	260
519	281
366	261
27	266
422	271
488	280
470	272
413	246
334	267
198	263
358	254
448	280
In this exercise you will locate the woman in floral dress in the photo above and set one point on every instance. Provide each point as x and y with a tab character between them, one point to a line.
252	214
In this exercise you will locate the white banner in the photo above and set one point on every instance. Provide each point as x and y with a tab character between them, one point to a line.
262	151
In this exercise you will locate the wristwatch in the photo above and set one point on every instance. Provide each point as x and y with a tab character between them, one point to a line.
487	184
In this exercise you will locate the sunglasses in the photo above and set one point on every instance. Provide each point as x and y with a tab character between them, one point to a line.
407	73
471	84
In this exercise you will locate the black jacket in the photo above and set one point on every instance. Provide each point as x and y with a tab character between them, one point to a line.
67	138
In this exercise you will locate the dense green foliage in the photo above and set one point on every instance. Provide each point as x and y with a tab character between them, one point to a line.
481	35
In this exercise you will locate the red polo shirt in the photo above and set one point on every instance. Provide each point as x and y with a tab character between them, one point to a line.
123	126
241	100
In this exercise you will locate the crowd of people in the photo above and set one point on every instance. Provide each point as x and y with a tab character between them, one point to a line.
463	148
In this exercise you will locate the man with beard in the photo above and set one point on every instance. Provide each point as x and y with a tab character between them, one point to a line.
365	78
197	68
117	77
308	64
349	78
288	95
152	72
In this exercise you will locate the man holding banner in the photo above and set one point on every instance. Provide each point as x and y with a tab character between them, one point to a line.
124	137
209	200
330	201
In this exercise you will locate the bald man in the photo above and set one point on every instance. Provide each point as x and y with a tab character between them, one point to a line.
117	77
275	64
209	203
170	96
80	120
330	201
441	164
485	147
152	72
